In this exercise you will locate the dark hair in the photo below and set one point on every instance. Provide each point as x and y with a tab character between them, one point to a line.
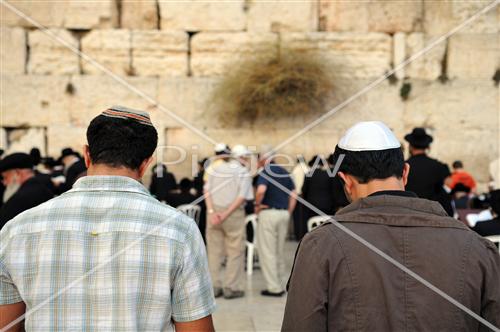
457	164
120	142
371	165
185	184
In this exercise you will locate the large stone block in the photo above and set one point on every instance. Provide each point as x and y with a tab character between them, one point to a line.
31	100
94	94
427	66
463	117
159	53
24	139
64	136
203	15
13	50
190	99
350	55
443	16
282	16
65	13
375	15
49	56
110	48
473	55
139	14
212	52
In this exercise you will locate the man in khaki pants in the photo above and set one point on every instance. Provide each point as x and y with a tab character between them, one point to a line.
227	188
274	207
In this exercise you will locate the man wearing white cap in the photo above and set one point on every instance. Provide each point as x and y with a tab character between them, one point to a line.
228	187
338	284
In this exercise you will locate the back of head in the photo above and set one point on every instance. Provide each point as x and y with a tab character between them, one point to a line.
370	152
121	137
185	184
457	164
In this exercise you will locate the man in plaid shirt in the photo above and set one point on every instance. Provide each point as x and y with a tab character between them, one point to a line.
106	255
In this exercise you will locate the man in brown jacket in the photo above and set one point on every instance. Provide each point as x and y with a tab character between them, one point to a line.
339	284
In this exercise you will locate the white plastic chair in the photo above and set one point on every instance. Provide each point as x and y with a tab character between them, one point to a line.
495	239
251	246
191	210
316	221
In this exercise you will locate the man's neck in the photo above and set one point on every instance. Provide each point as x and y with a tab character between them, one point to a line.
392	184
418	152
103	170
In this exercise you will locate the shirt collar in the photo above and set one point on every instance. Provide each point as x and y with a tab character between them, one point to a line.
109	183
398	211
394	193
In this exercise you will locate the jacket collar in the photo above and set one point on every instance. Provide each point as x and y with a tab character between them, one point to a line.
397	211
108	183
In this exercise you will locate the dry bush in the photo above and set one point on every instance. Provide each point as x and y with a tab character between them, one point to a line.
273	87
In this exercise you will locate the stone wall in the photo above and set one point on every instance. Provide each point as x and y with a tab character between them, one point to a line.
138	53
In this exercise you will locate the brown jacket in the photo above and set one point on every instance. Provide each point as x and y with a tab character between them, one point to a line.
338	284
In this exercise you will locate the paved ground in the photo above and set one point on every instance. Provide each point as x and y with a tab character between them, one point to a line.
253	312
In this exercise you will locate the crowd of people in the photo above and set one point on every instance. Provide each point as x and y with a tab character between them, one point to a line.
60	218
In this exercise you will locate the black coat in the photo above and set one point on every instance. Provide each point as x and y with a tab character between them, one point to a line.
30	194
161	186
426	179
74	172
487	228
181	198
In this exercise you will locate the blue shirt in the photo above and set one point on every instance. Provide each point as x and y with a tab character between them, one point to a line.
275	197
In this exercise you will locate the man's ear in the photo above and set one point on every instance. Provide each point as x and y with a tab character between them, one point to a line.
406	172
86	155
347	181
144	166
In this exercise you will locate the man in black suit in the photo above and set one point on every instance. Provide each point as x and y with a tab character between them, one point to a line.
184	196
23	190
162	182
74	168
491	227
427	176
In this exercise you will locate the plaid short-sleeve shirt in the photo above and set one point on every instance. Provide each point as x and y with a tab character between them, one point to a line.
122	260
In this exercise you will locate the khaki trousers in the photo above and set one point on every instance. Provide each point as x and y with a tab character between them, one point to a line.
271	232
227	240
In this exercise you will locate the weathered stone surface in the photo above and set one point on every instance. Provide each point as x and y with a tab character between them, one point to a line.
33	100
65	13
443	16
351	55
159	53
399	54
94	94
203	15
139	14
211	52
460	114
376	15
110	48
23	140
282	16
427	66
473	55
13	50
49	56
65	135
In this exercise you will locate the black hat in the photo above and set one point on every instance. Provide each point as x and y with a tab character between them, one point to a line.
460	187
419	138
16	161
68	152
